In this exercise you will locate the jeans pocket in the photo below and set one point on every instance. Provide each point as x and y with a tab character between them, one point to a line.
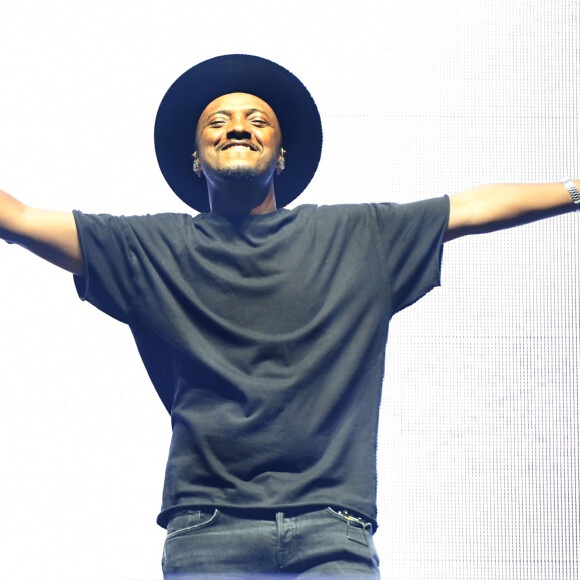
357	529
350	519
179	555
189	520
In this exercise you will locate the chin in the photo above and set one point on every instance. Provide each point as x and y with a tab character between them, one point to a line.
238	172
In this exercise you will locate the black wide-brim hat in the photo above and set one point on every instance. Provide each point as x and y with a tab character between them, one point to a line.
189	95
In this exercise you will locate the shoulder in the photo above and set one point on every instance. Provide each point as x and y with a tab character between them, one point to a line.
389	219
388	207
336	211
373	214
146	222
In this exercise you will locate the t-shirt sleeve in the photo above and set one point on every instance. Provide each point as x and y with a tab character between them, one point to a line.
412	238
108	279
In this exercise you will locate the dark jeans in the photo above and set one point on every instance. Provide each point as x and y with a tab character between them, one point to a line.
225	544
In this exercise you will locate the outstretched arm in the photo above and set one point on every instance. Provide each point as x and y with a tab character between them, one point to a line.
52	235
488	208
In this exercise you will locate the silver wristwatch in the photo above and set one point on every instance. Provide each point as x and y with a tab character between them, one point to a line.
573	191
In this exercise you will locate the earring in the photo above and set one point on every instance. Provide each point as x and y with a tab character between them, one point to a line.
282	162
196	166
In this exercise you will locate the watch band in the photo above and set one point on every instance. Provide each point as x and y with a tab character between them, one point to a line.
573	191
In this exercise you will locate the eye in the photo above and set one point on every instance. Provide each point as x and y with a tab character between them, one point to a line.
259	122
217	123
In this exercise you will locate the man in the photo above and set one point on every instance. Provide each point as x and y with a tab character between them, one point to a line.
263	329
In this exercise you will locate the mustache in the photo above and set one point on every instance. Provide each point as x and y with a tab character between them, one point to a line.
244	142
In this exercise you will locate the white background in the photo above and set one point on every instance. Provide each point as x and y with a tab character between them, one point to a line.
479	440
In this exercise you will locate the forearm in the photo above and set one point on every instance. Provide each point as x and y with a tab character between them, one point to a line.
488	208
11	216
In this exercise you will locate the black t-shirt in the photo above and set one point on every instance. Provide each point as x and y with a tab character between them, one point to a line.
265	340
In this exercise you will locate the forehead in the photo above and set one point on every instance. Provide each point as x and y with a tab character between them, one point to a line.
237	102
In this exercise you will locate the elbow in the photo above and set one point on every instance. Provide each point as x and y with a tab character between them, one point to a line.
462	217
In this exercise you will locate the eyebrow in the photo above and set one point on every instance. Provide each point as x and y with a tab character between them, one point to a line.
229	112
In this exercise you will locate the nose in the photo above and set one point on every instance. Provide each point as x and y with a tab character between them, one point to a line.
238	128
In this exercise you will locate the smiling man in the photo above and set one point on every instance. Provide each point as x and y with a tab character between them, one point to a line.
263	329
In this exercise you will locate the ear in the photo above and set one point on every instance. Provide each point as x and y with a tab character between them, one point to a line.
281	162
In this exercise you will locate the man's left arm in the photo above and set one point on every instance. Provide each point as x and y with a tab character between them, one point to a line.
488	208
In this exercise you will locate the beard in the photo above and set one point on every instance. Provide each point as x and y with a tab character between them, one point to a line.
238	172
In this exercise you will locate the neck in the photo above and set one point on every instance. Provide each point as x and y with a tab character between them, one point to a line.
241	198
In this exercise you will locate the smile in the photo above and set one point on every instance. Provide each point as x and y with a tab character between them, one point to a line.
239	145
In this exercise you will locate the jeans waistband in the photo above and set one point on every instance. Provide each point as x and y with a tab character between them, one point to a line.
270	513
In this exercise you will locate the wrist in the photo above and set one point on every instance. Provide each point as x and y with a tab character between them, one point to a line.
574	193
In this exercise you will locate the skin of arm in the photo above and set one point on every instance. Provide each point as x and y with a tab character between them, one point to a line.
52	235
488	208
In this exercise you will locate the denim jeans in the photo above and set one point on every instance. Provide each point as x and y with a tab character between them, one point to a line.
212	544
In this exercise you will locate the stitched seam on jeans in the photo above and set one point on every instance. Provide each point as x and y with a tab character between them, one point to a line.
344	519
195	527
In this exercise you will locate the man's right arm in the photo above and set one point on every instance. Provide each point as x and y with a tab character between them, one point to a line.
52	235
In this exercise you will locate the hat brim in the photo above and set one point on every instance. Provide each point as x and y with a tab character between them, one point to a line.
189	95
